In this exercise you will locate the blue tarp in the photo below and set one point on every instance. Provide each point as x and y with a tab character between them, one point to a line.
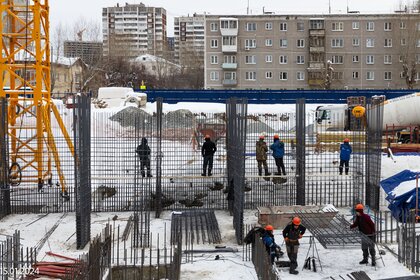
400	204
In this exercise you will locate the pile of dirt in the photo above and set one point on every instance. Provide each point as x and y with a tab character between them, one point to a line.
259	127
132	116
179	119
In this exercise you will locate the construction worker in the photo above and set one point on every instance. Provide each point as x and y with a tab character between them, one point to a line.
261	155
345	152
207	151
272	248
291	234
366	226
143	151
278	152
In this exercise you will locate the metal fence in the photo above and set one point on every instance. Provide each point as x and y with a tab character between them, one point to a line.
5	208
261	260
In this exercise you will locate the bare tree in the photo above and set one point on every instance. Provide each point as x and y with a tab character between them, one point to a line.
60	34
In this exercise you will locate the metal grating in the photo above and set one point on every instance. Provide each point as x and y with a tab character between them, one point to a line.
5	208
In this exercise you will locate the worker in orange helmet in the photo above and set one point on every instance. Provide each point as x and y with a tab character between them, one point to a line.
366	226
261	150
345	152
278	152
207	151
271	246
291	234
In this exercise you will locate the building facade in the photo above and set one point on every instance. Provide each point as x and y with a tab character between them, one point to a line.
89	52
345	51
189	40
133	29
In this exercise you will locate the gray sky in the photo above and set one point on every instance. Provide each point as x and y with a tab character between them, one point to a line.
68	12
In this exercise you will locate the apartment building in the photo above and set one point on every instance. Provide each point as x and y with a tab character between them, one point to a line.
189	40
89	52
133	30
343	51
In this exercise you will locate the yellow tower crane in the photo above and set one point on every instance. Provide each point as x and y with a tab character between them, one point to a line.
25	82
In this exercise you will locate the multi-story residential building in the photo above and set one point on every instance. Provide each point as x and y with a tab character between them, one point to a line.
348	51
89	52
133	30
189	40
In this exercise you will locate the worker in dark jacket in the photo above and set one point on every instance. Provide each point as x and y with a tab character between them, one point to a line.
291	234
143	151
261	150
207	151
366	226
278	153
271	246
345	152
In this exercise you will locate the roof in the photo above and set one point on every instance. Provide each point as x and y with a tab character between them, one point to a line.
152	58
66	61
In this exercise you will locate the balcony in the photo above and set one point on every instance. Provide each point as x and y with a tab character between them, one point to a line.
317	32
229	48
317	49
315	82
230	82
316	65
229	66
229	31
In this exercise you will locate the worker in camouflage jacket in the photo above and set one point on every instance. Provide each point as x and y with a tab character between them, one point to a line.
261	155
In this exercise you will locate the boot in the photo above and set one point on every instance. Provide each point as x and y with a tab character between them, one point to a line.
267	173
204	173
259	172
293	271
364	261
143	174
149	175
347	171
340	169
373	262
209	174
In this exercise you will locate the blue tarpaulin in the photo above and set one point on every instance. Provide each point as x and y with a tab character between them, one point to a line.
400	202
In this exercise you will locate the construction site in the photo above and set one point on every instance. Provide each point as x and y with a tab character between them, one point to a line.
76	201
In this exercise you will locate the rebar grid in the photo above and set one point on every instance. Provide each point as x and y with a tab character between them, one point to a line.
5	208
332	233
199	225
82	168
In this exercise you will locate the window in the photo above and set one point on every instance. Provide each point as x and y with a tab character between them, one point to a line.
283	26
268	58
401	58
300	59
387	59
355	58
300	43
283	43
268	26
250	59
370	26
387	75
250	76
387	26
300	26
283	59
356	42
269	75
403	25
214	59
251	26
228	24
230	75
355	75
214	76
300	76
337	75
388	43
370	75
337	59
268	42
417	58
355	25
403	41
283	76
229	40
418	43
418	26
229	59
370	59
214	43
337	43
337	26
213	26
370	43
250	43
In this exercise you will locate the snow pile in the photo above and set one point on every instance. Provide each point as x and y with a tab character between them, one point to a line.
179	119
329	208
259	127
131	116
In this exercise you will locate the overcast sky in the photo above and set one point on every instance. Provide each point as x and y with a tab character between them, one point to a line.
69	11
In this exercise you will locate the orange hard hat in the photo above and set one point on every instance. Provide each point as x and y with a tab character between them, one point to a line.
269	227
346	140
296	221
207	136
276	136
359	206
261	136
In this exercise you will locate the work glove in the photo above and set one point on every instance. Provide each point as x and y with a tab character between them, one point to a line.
300	236
286	239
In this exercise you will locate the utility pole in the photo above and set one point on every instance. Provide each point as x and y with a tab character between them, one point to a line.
247	9
329	6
